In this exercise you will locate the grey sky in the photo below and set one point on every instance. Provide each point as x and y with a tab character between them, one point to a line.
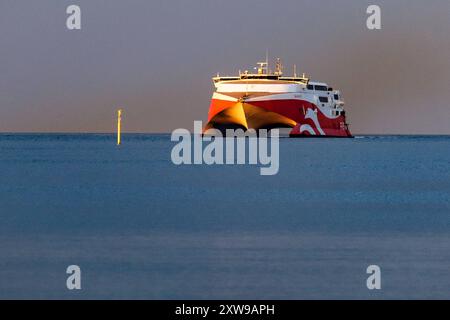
156	58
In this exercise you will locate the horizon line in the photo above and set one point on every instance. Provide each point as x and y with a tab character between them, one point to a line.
168	133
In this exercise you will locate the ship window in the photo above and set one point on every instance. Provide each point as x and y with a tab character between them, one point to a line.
336	97
323	99
321	88
310	87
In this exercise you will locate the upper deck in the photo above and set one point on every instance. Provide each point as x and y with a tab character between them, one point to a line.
267	77
263	80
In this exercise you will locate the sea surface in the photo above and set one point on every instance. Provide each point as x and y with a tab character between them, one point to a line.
141	227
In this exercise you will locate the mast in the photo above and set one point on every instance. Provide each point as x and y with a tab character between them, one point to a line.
278	67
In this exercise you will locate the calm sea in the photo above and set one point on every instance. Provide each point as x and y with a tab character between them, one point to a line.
141	227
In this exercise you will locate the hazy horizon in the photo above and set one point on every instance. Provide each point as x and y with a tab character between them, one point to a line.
156	59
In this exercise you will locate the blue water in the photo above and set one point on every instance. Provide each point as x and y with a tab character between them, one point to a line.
141	227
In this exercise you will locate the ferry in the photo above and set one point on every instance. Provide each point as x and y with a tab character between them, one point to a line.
294	104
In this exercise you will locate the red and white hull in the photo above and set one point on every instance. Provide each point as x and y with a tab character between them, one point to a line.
308	109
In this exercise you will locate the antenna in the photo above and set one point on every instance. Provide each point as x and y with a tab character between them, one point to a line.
295	71
278	67
264	65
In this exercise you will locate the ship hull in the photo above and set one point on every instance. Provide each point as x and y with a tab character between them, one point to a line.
268	111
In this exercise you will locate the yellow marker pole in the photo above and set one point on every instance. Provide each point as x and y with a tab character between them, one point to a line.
119	120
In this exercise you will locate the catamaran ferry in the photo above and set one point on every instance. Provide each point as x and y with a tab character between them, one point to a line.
268	100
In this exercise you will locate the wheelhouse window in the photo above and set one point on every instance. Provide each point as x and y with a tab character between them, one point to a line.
310	87
323	99
321	88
